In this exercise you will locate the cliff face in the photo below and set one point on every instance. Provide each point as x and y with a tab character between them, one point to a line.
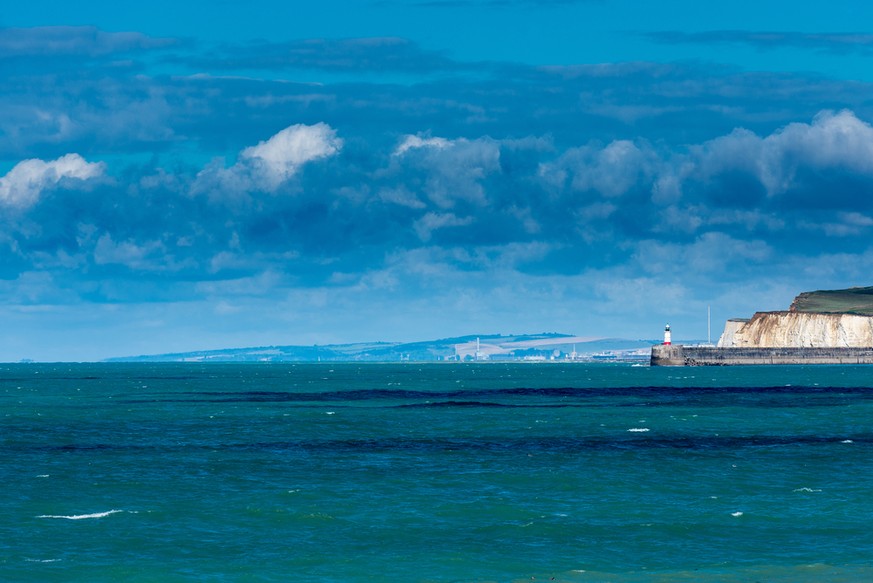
799	329
728	337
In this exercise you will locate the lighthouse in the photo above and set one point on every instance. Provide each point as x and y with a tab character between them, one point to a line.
667	339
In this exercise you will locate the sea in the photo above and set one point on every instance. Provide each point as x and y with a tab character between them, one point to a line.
440	472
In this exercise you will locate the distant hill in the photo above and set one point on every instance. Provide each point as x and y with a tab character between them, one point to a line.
491	347
855	300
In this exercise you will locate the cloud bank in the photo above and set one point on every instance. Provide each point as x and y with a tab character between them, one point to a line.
606	205
69	41
832	42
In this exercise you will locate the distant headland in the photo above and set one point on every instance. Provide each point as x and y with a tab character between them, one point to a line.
820	327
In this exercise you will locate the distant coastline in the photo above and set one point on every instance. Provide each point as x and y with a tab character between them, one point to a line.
470	348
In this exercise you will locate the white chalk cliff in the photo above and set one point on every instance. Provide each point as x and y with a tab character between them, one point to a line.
798	329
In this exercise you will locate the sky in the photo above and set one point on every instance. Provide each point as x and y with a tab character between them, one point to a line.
197	175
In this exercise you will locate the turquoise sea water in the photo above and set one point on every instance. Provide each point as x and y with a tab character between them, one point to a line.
435	473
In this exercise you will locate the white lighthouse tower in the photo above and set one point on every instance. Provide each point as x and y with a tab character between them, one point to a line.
667	336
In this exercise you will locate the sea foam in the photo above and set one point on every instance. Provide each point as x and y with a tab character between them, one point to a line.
81	516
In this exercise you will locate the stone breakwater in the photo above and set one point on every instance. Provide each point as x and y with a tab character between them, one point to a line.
798	330
679	355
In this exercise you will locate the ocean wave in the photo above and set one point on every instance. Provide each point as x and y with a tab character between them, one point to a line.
660	439
81	516
459	404
654	395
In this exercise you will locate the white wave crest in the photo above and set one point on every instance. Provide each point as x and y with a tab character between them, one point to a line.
81	516
638	429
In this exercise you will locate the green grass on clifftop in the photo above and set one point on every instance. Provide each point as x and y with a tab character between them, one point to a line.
855	300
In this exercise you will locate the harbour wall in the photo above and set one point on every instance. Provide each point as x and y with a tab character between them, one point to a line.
679	355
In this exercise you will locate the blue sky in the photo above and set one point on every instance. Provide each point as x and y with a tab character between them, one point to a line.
195	175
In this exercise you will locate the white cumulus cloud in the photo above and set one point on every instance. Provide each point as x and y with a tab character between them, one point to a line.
414	142
279	158
612	170
134	255
271	162
833	141
21	187
430	222
451	170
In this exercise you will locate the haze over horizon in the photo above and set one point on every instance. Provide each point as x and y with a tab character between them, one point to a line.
202	175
